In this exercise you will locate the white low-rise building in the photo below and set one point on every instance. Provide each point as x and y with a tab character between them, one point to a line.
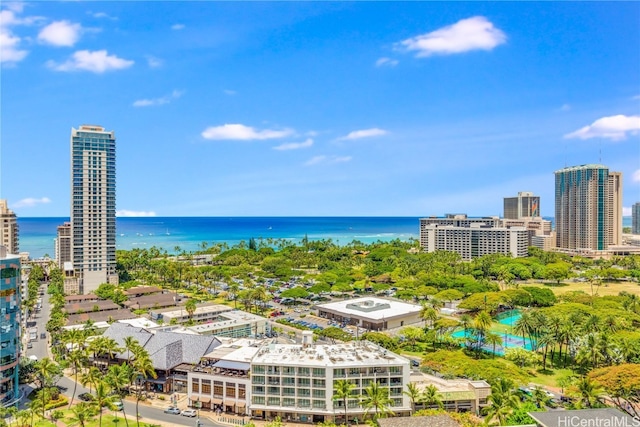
297	382
376	314
233	324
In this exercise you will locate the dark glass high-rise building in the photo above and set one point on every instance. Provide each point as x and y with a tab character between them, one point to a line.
93	206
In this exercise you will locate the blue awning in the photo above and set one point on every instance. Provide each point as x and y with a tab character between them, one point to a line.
230	364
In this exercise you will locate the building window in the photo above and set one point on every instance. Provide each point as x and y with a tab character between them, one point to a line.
217	388
195	385
231	390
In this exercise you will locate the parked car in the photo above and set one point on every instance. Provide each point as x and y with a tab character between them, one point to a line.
43	335
118	406
172	410
189	413
87	397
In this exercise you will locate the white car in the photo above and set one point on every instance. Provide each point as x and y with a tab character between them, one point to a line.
189	413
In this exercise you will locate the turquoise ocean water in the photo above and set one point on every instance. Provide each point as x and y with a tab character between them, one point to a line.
37	234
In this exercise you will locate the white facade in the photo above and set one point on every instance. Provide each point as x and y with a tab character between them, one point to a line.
93	206
296	382
475	240
371	313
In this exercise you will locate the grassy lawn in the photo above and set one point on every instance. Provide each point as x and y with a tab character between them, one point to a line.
550	377
609	288
108	420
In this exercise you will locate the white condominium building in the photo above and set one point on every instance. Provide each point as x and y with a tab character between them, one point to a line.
297	382
93	206
472	237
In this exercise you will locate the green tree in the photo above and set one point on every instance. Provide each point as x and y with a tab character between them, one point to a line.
431	397
341	392
190	306
81	414
377	398
414	394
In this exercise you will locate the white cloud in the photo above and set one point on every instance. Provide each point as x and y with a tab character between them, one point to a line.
637	97
60	33
565	107
177	26
635	177
327	160
10	51
101	15
243	133
97	61
30	202
475	33
364	133
9	48
154	62
229	92
626	211
158	101
125	212
388	62
294	145
614	128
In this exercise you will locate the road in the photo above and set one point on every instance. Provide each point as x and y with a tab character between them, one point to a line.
149	414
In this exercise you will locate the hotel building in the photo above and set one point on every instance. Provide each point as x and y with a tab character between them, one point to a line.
472	237
10	331
8	228
588	208
525	204
63	245
93	206
635	218
297	382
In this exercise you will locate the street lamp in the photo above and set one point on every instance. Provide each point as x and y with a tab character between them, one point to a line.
198	405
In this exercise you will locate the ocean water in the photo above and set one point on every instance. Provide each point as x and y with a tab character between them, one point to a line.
188	233
37	234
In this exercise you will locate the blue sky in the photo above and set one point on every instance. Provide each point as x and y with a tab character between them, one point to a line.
319	108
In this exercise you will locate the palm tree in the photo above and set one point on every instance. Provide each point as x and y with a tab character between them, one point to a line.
431	396
414	394
130	345
91	378
46	371
103	397
502	401
190	306
342	391
377	398
118	377
466	321
82	413
481	325
590	392
429	315
524	325
77	360
494	340
142	368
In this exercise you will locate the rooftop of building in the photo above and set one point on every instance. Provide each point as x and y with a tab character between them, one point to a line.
582	167
228	319
429	420
90	306
166	349
141	290
100	316
583	417
200	309
151	301
450	389
372	308
352	354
